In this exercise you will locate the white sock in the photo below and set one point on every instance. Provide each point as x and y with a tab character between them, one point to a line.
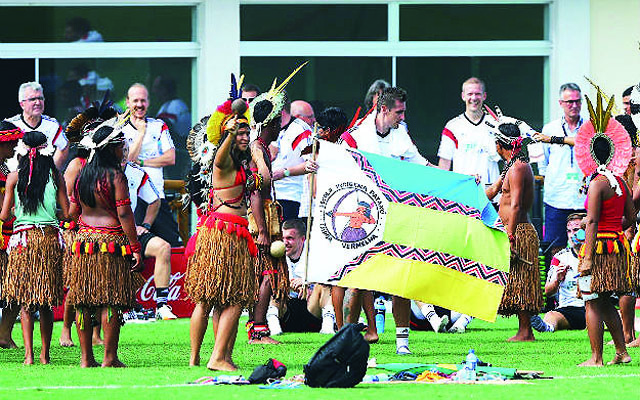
273	321
430	313
402	337
328	319
462	322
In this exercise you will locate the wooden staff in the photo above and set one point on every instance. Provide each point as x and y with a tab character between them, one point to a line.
312	181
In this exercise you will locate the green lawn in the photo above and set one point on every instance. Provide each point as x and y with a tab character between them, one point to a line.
157	355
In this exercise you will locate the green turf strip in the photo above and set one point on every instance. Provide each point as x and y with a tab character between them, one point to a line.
158	353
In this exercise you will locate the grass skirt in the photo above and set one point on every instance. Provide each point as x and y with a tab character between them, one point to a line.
102	278
523	292
69	236
4	260
220	270
34	271
275	269
634	273
611	268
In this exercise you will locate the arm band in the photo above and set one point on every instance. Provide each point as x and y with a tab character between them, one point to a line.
123	202
136	247
557	140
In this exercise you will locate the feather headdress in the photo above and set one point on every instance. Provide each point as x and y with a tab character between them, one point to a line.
99	111
276	96
116	136
601	127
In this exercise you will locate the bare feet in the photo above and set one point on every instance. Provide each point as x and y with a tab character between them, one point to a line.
635	343
620	358
591	363
521	338
194	361
371	337
113	364
221	366
8	344
28	359
45	359
65	338
89	364
96	341
262	340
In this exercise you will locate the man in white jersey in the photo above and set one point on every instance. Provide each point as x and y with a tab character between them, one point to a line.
31	101
562	279
311	314
384	132
467	144
151	147
140	186
289	166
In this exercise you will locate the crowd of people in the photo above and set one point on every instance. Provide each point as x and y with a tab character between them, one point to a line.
85	224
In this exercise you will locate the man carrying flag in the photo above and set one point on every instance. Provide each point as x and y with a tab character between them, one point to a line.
522	295
385	133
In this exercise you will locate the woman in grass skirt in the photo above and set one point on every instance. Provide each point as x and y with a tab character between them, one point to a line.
220	271
9	136
106	251
34	274
603	151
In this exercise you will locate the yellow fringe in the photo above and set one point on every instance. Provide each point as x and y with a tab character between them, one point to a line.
220	271
523	291
102	279
34	273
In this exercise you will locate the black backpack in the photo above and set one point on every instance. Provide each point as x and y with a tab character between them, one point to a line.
341	362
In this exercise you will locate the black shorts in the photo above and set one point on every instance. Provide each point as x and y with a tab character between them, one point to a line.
575	316
298	319
144	241
165	224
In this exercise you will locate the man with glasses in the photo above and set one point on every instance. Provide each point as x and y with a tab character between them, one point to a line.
31	101
562	280
562	176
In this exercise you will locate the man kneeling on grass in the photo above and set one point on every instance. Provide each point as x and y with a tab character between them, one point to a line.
562	279
315	314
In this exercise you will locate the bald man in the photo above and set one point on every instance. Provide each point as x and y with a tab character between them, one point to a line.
288	165
303	110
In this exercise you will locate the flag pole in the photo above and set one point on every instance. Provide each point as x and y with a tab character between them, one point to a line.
312	181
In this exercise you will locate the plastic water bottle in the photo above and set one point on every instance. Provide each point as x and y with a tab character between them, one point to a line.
380	314
375	378
470	365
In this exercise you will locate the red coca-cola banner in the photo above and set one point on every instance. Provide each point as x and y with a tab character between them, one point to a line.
181	305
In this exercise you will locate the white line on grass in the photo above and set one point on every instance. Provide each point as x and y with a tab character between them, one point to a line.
197	385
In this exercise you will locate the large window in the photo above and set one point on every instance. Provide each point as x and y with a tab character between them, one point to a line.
324	82
472	22
313	22
114	24
428	49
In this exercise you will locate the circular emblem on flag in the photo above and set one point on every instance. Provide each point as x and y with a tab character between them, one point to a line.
350	215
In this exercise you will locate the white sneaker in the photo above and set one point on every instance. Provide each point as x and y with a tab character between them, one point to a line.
442	327
457	329
164	313
274	324
327	325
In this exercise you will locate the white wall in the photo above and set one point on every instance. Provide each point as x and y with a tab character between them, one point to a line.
615	52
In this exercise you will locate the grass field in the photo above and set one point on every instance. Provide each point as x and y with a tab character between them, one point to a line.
157	356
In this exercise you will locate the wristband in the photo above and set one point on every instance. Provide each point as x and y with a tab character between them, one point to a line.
557	140
286	172
136	247
141	163
146	225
